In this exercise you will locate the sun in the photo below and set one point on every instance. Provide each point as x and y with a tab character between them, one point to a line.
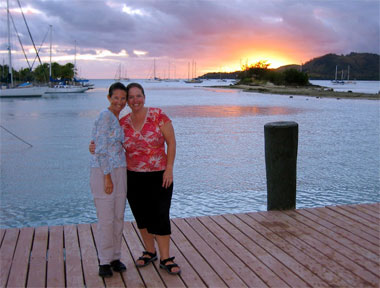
274	59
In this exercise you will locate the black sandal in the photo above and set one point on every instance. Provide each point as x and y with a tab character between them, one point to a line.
147	260
169	267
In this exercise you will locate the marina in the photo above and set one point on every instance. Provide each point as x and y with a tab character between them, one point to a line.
219	167
336	246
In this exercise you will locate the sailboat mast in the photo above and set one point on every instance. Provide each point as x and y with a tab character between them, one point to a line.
51	41
75	59
154	68
169	71
9	45
188	70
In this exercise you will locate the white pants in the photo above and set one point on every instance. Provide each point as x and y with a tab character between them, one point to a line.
110	211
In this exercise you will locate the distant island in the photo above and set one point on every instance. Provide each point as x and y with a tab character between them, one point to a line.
361	66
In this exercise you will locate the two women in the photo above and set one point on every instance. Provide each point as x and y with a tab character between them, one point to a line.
150	175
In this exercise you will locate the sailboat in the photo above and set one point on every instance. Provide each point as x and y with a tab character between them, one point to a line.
348	76
24	90
154	79
220	77
61	87
193	74
171	79
118	76
336	81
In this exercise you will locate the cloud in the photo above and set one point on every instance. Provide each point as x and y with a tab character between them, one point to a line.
216	33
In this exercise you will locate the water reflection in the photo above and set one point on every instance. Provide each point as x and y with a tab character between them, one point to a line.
228	111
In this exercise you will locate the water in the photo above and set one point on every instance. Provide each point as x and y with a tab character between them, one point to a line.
220	165
372	87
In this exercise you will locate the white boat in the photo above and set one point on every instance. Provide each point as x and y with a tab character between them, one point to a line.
171	79
22	92
66	89
194	78
336	81
348	81
154	79
11	91
61	87
119	77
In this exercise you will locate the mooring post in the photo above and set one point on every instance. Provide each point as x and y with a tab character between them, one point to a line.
281	144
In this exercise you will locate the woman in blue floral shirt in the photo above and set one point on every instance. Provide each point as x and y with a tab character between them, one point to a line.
108	181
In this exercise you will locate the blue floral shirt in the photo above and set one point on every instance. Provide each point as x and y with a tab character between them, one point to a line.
108	137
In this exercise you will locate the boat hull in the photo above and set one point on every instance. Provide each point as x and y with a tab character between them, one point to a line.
66	89
23	92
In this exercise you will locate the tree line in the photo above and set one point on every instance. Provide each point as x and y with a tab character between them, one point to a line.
39	75
259	73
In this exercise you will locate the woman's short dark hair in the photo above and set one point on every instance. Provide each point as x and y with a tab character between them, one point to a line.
116	86
135	85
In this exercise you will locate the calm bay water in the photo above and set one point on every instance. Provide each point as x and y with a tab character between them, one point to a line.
220	165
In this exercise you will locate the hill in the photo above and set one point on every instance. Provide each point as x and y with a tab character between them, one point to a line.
363	66
220	75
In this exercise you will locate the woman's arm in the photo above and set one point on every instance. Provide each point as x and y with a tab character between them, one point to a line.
101	138
168	132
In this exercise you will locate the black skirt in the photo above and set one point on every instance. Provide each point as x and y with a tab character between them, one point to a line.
149	201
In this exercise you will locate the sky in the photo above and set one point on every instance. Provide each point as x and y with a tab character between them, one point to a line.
187	37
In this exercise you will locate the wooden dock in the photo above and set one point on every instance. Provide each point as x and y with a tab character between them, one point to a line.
318	247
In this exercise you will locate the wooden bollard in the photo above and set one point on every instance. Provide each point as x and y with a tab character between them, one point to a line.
281	144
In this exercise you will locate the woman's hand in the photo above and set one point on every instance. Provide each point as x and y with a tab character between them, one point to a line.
108	185
167	178
92	147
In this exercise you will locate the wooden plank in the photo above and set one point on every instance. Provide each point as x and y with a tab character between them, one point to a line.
371	242
220	267
2	233
336	251
189	276
367	211
131	277
252	262
169	280
374	228
268	259
6	254
303	236
301	271
148	273
310	263
281	229
115	280
345	246
20	263
37	265
89	257
366	248
74	272
56	265
237	265
358	212
207	274
374	207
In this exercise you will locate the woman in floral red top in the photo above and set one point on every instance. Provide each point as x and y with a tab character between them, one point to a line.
150	175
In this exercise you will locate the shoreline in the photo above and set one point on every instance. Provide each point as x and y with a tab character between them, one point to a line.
313	91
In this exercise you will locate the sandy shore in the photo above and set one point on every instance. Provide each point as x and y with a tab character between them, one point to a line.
313	91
